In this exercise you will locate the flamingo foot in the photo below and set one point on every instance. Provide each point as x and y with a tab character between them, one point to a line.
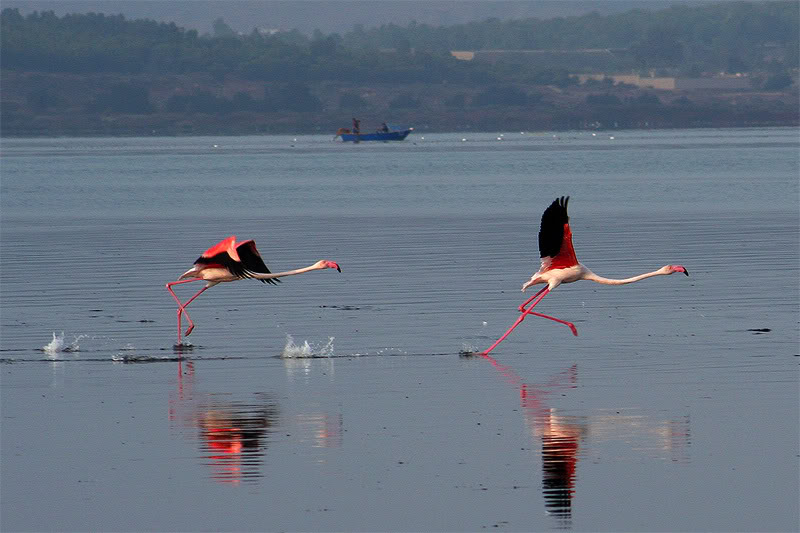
181	347
190	328
573	328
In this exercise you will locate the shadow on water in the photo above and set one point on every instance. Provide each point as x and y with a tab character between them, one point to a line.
565	439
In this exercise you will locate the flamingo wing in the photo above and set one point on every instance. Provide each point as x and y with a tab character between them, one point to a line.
227	245
224	260
251	261
551	232
555	237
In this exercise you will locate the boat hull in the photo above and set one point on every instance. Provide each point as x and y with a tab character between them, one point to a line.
377	136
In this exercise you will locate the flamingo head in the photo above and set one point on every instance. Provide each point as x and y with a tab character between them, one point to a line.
328	264
671	269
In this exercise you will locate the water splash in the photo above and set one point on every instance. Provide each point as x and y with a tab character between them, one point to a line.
60	345
468	349
306	350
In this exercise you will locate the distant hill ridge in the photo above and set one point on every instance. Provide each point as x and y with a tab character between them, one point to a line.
336	15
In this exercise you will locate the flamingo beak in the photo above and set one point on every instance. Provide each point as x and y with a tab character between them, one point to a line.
685	271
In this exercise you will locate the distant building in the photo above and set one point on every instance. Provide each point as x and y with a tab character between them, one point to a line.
673	83
600	58
607	59
463	56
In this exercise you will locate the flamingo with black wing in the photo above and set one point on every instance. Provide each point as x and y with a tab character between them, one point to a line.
560	265
232	261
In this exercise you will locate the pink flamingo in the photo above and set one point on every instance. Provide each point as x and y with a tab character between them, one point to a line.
560	265
231	261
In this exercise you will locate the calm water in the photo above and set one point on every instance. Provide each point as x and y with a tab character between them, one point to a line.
339	401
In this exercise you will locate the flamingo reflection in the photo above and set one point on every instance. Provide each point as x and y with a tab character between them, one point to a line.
562	437
233	435
234	438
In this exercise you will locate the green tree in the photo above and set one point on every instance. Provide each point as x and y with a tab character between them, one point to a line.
456	101
350	100
501	96
292	96
129	98
605	99
778	82
221	29
43	99
404	100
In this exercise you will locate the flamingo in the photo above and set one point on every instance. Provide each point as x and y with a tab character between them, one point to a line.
231	261
560	265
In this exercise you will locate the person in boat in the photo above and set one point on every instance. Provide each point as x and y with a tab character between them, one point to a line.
356	126
384	128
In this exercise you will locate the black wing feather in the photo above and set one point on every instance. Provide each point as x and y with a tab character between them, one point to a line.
252	262
551	233
224	260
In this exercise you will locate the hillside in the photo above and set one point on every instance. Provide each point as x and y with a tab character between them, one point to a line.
100	74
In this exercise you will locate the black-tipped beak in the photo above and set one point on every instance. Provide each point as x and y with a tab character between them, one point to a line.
339	269
685	271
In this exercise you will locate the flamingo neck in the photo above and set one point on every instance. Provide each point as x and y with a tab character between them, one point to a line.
591	276
288	272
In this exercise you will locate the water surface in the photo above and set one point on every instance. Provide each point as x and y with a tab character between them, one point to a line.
339	401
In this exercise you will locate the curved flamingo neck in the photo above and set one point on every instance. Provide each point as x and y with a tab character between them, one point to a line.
591	276
315	266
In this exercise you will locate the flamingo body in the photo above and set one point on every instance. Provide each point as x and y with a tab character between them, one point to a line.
231	261
559	264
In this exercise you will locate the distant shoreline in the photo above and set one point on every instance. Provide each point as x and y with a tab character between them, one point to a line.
719	114
57	105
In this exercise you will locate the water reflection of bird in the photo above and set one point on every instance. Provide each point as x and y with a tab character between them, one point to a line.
560	437
231	261
560	265
233	435
564	438
235	438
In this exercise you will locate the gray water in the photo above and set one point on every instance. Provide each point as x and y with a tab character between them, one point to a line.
339	402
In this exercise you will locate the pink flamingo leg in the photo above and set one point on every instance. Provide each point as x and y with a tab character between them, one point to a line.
529	300
182	306
570	324
541	294
190	300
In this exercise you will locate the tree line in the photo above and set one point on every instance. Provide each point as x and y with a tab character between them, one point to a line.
730	36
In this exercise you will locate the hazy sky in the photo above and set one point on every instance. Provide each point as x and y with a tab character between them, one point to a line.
332	15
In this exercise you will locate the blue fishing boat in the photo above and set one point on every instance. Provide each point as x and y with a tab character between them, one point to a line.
384	135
